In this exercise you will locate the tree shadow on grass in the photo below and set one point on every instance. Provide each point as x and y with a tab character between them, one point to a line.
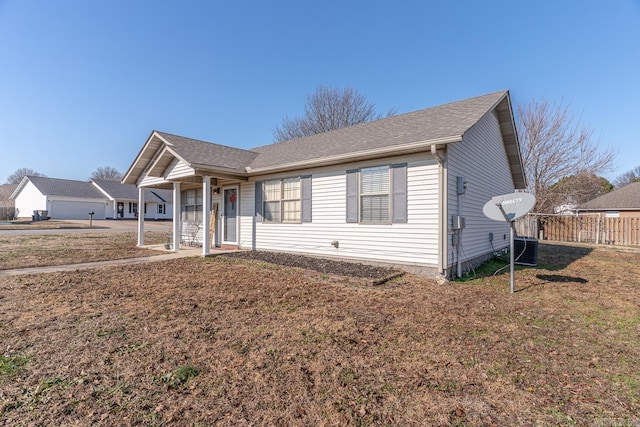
551	257
555	257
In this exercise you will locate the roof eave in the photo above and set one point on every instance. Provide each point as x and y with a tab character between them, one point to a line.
130	177
512	145
19	188
409	148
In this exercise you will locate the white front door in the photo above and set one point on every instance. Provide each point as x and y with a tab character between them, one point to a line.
230	215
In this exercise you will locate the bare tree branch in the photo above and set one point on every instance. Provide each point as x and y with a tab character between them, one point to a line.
17	176
106	172
628	177
328	109
555	145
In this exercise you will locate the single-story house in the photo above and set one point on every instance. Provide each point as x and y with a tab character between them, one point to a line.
123	201
405	190
623	202
72	199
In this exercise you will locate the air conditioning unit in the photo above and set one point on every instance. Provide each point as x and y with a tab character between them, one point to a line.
525	251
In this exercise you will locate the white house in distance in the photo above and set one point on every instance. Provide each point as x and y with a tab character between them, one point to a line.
72	199
123	201
405	190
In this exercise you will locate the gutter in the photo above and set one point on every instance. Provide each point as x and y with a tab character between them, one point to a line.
442	210
356	156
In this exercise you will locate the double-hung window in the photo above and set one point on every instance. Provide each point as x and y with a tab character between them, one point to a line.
192	205
377	195
161	208
374	194
281	200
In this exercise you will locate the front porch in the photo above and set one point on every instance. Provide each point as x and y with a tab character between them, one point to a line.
205	216
206	195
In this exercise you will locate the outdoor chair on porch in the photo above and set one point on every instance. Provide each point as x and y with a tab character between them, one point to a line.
190	231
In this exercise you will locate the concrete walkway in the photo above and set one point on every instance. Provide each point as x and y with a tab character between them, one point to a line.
183	253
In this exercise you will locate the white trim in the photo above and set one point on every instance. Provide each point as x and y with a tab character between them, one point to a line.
206	215
223	224
360	155
177	216
140	216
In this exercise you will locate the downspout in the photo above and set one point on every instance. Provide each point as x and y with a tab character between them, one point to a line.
442	210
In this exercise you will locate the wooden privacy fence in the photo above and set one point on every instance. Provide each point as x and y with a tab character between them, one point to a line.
592	228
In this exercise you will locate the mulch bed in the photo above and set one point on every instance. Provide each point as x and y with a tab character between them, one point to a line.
376	275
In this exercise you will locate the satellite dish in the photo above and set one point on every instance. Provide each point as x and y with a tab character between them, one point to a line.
509	207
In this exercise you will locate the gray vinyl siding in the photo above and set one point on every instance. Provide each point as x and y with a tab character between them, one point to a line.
482	160
413	242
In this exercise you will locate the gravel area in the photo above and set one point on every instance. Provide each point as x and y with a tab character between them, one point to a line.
322	265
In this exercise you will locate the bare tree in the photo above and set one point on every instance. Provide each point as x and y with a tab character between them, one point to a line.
328	109
577	189
555	145
106	172
17	176
628	177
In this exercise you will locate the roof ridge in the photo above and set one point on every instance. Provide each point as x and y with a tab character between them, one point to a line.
382	119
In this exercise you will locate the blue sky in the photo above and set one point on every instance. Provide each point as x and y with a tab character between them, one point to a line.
83	83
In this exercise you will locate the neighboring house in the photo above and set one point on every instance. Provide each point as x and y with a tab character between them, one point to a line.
565	209
123	201
61	198
389	191
620	203
71	199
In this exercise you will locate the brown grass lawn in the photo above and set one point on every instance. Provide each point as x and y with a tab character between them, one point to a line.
222	341
59	249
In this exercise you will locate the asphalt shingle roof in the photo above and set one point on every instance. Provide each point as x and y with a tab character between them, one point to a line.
448	120
624	198
120	191
436	125
65	187
207	153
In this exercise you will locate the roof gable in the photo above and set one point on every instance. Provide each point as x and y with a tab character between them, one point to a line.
162	148
624	198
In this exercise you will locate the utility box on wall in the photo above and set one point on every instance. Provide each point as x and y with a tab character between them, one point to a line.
458	222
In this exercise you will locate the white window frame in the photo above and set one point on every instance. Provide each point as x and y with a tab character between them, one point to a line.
374	194
282	201
196	213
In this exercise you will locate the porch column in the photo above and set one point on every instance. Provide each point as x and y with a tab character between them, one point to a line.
177	218
206	215
140	216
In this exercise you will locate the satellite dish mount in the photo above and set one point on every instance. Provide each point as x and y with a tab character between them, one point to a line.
509	207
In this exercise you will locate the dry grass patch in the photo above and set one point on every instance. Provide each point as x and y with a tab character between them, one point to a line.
72	248
221	341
